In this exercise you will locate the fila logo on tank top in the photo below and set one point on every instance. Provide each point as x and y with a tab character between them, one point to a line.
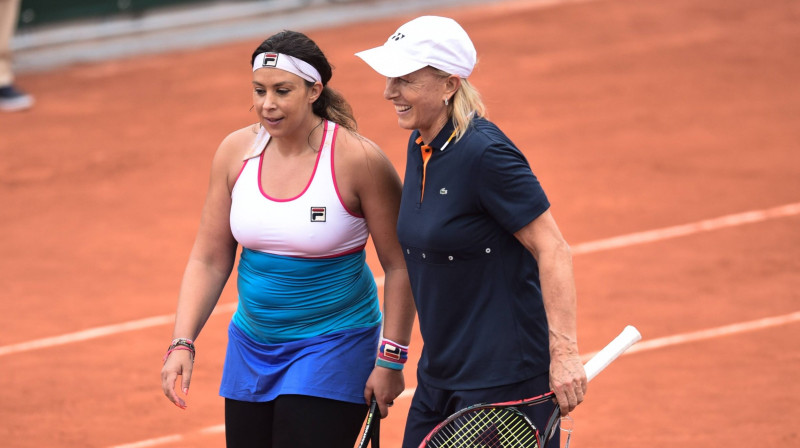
314	224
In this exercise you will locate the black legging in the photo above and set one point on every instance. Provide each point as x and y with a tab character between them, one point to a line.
293	421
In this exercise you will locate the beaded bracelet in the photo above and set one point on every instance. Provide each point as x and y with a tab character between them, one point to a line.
392	355
180	344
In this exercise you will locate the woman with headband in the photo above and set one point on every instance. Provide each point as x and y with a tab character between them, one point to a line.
300	191
490	272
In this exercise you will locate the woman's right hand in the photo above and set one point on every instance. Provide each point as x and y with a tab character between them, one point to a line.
179	362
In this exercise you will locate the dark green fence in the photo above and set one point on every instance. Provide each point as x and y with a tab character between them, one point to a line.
40	12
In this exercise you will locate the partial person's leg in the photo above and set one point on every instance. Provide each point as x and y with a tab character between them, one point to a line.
428	409
11	98
311	422
9	10
247	424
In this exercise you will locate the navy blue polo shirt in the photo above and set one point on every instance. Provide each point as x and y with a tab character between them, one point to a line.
476	287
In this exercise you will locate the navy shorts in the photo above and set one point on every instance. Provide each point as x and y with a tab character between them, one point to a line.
431	405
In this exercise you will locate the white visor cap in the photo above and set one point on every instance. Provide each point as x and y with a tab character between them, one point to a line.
428	40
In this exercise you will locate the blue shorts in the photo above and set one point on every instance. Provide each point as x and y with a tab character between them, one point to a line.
334	366
432	405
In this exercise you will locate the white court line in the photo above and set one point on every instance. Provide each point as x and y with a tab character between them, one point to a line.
98	332
705	225
216	429
584	248
154	442
642	346
711	333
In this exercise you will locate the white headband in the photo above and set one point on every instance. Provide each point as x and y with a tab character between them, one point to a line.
287	63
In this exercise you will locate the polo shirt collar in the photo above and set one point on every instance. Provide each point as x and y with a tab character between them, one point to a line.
440	142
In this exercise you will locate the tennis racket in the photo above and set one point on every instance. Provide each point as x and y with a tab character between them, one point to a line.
372	428
502	425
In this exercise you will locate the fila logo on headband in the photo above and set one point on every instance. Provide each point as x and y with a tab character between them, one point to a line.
270	60
397	36
317	214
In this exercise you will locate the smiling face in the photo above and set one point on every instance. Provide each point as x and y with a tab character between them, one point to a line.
418	99
282	100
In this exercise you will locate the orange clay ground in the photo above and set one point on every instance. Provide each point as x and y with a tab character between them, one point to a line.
635	115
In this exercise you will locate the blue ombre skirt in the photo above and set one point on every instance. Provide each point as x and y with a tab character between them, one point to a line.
303	326
334	365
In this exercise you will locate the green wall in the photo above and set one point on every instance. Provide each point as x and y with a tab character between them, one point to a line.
42	12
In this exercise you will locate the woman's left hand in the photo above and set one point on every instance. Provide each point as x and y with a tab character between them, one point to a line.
385	385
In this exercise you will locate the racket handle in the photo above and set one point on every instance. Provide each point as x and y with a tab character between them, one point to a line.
629	336
375	440
372	426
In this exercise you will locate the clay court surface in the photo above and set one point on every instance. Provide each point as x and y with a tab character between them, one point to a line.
637	116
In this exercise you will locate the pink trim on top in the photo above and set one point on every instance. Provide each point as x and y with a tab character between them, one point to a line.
310	180
333	176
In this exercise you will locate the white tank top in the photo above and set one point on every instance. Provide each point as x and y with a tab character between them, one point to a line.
313	224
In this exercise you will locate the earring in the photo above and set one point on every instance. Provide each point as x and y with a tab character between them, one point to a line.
446	102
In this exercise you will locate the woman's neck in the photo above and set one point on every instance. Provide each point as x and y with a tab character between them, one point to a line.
431	132
307	138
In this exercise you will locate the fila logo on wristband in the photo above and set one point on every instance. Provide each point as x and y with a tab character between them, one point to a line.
392	352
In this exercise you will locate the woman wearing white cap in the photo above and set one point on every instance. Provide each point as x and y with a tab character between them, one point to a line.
301	191
490	272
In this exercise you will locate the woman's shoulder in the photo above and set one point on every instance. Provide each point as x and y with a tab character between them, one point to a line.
239	143
234	149
483	128
241	138
355	148
483	135
361	163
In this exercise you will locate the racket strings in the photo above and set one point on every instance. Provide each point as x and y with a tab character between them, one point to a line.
487	428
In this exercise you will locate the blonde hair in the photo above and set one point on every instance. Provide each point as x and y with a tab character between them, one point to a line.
465	105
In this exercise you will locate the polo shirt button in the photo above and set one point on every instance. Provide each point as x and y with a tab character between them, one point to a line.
450	257
488	250
423	255
408	251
